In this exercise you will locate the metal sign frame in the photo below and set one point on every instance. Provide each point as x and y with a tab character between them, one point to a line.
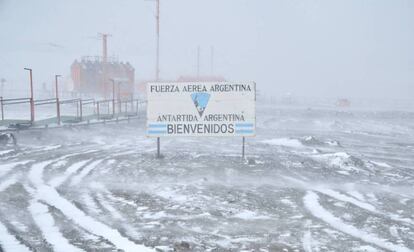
218	109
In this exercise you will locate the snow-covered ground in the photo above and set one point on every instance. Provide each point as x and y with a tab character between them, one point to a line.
315	180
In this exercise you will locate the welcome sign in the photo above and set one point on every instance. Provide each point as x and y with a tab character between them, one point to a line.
201	109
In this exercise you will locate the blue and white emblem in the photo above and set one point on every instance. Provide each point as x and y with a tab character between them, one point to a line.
200	101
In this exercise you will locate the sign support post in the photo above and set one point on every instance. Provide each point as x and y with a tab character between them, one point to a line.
244	140
158	148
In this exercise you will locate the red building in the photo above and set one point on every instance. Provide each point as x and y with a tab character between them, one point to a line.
92	76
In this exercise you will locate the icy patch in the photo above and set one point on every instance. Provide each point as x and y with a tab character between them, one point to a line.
333	143
52	147
311	140
171	194
250	215
288	202
286	142
4	152
340	160
380	164
311	201
365	248
60	163
156	216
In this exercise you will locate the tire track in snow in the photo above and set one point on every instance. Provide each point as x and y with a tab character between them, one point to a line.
72	169
307	241
40	212
109	208
91	204
9	243
311	202
5	168
44	220
49	195
8	182
84	172
106	199
342	197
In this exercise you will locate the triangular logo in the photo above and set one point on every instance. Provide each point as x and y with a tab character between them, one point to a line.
200	101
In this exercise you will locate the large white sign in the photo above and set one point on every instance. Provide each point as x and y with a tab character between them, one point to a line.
201	109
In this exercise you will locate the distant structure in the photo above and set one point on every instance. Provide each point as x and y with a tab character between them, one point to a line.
343	103
93	75
190	78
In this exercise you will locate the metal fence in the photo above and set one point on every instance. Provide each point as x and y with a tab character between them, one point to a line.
55	111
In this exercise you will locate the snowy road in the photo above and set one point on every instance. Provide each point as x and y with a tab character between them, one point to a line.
317	180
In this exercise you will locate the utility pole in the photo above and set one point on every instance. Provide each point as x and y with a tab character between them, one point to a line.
212	60
157	28
32	115
57	98
157	67
157	75
157	60
2	86
198	62
104	47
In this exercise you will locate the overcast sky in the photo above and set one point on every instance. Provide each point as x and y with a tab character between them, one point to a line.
349	48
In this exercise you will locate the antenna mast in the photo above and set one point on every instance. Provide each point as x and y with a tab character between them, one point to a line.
198	62
212	60
104	61
157	67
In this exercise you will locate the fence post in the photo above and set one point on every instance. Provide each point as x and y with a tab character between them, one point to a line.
80	108
77	109
1	105
97	108
32	110
58	110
